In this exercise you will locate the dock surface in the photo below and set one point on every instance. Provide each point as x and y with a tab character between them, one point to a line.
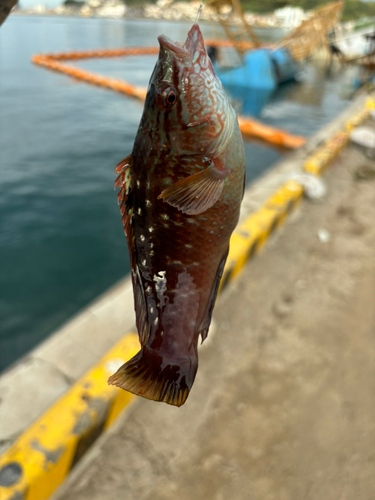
283	404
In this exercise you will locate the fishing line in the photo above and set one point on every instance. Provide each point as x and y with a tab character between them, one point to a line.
198	13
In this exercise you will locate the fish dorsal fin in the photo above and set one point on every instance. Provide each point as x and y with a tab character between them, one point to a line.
205	325
123	181
198	192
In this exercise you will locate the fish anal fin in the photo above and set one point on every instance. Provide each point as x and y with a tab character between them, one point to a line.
198	192
123	181
205	325
148	375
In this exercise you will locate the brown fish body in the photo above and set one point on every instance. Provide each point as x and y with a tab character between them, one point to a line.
178	248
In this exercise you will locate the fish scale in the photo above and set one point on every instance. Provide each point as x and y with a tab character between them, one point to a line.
181	192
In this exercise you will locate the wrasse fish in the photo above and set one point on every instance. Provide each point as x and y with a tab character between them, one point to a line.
180	195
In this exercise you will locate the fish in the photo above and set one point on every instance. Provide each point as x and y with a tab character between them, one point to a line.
180	192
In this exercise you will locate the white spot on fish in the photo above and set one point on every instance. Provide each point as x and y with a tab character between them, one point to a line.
195	56
156	321
204	61
143	238
188	246
161	283
148	203
139	211
205	111
194	79
151	310
150	229
143	262
138	184
148	289
164	216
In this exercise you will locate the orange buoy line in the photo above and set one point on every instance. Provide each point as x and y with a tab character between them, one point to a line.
248	126
276	136
93	78
89	54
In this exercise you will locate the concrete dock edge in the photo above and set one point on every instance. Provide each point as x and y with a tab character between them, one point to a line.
40	448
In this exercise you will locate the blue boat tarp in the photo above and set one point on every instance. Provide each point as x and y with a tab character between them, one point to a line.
285	66
250	100
262	69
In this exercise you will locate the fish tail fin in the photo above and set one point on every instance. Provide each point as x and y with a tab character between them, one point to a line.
151	376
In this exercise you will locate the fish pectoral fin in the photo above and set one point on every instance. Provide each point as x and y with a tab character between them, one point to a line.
123	181
198	192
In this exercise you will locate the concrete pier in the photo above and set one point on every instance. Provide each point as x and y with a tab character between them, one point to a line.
272	358
283	404
70	351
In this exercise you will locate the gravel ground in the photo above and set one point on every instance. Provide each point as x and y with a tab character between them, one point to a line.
283	406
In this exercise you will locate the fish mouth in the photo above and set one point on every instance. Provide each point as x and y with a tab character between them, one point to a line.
194	43
176	48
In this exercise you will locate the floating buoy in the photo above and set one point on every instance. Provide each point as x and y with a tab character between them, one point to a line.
248	127
253	128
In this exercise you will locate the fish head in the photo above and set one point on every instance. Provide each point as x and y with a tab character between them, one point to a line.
192	108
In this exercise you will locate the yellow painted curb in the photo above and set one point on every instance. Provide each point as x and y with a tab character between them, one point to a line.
43	456
319	161
357	119
251	235
316	163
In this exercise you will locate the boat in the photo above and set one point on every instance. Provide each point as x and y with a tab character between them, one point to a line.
267	67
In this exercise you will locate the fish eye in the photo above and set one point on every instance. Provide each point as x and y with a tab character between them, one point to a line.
170	97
